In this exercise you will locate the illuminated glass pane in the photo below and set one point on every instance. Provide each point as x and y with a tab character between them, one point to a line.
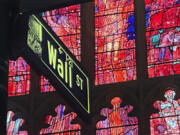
65	22
167	120
117	121
115	41
61	124
19	78
163	37
12	127
45	85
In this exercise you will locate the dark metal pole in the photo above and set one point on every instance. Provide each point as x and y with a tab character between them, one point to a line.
4	28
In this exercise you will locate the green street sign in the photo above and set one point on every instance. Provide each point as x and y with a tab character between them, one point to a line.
58	64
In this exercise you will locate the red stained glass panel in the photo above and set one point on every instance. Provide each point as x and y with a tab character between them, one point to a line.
45	86
19	77
117	120
115	41
13	126
163	37
167	120
61	124
65	22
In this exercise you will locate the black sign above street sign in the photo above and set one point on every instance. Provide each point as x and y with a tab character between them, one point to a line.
63	70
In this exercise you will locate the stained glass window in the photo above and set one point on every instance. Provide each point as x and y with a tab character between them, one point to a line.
65	22
167	120
117	121
12	127
45	85
61	124
19	77
114	41
163	37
